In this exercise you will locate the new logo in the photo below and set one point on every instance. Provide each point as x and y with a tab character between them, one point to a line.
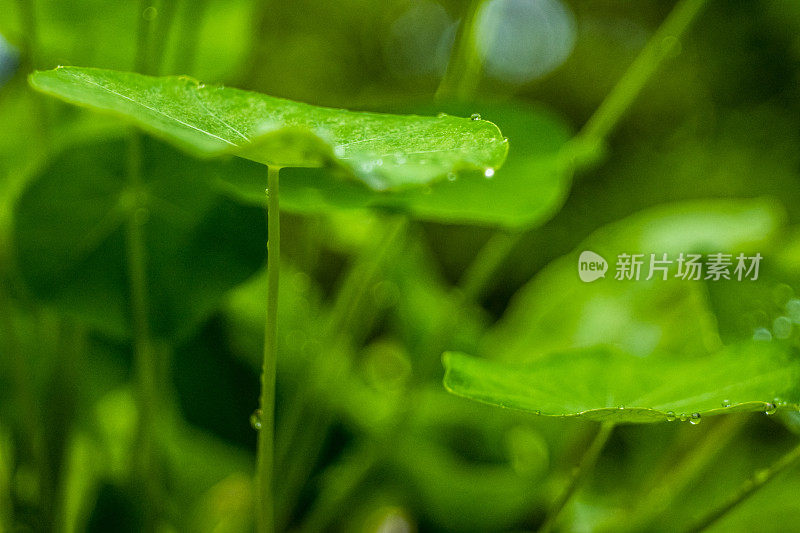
591	266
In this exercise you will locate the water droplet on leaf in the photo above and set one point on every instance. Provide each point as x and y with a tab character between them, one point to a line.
150	13
488	173
762	334
695	418
475	116
770	408
671	416
793	310
782	327
451	176
255	419
726	403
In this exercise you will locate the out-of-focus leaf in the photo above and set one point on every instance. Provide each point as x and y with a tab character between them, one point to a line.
606	384
69	237
384	151
446	489
557	311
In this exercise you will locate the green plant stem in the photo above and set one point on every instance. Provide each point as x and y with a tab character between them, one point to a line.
146	374
748	488
350	300
152	35
339	482
265	505
697	457
30	417
662	45
189	37
476	278
160	35
27	11
587	463
463	74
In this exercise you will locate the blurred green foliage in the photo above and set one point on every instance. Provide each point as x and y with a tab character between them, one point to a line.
367	438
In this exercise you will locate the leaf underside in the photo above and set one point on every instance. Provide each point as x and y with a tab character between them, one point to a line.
383	151
605	384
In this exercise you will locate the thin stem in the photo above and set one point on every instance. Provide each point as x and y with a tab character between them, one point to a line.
476	278
748	488
339	483
189	37
31	416
587	463
463	73
662	45
349	305
160	36
145	364
667	488
27	11
265	507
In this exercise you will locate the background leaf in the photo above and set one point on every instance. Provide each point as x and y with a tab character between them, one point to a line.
556	311
71	252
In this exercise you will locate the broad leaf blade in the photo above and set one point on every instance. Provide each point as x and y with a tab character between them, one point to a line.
70	243
384	151
605	384
556	311
526	191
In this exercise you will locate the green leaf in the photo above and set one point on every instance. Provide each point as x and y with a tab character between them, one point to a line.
556	311
526	191
384	151
602	383
70	245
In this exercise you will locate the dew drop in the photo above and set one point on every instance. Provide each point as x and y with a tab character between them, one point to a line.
695	419
621	407
726	403
762	334
379	162
400	159
451	176
255	419
488	173
537	412
770	408
475	116
683	417
671	416
441	115
782	327
201	85
793	310
339	151
150	13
